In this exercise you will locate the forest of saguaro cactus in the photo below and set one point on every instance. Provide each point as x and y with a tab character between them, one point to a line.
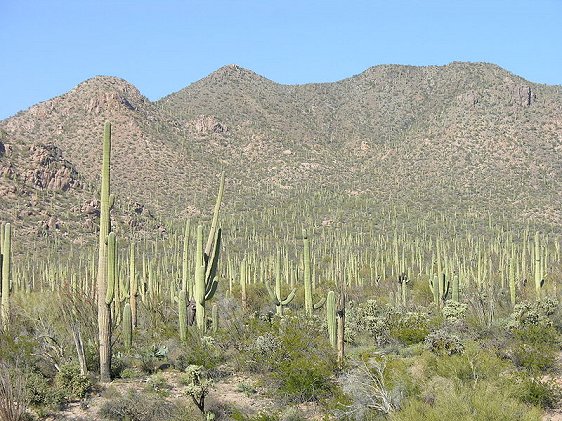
384	314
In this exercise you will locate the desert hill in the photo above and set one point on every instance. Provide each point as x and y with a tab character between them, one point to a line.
460	136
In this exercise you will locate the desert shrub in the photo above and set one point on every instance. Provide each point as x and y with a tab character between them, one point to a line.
368	318
366	386
485	401
442	342
71	383
454	311
40	392
138	407
295	352
532	313
13	401
473	365
534	347
304	361
410	328
205	351
543	394
157	383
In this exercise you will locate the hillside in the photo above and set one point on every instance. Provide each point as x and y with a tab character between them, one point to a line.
461	136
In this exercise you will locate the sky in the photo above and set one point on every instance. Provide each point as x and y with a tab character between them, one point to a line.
161	46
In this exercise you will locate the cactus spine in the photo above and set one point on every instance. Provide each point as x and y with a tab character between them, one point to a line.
6	258
104	313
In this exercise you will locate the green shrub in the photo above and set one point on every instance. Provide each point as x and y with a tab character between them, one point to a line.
410	328
535	347
543	394
454	311
138	407
485	401
40	392
71	383
442	342
305	361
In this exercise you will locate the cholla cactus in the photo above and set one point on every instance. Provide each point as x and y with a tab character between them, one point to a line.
197	385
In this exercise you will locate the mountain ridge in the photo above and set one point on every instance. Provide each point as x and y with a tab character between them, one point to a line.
463	133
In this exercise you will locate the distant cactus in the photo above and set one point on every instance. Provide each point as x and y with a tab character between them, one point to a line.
440	288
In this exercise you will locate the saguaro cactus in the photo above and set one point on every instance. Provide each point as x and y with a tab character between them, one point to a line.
539	265
182	315
104	313
440	288
276	294
309	306
127	327
331	318
206	263
6	258
133	286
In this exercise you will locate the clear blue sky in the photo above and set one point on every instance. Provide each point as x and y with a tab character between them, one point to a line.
161	46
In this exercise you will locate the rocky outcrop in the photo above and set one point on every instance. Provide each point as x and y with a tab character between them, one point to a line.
523	95
49	170
207	124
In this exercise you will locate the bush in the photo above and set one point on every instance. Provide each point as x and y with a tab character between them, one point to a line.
454	311
467	403
304	362
71	383
13	402
410	328
137	407
544	394
535	313
442	342
535	347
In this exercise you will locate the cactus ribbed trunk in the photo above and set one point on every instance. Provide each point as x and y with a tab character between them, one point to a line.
104	313
331	318
6	274
133	286
308	306
127	327
200	282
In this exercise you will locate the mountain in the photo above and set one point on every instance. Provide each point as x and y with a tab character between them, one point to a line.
460	136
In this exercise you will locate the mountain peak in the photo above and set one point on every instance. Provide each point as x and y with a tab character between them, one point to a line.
107	83
234	73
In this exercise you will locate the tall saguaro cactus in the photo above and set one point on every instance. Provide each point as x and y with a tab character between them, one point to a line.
206	263
6	259
276	294
104	312
309	306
